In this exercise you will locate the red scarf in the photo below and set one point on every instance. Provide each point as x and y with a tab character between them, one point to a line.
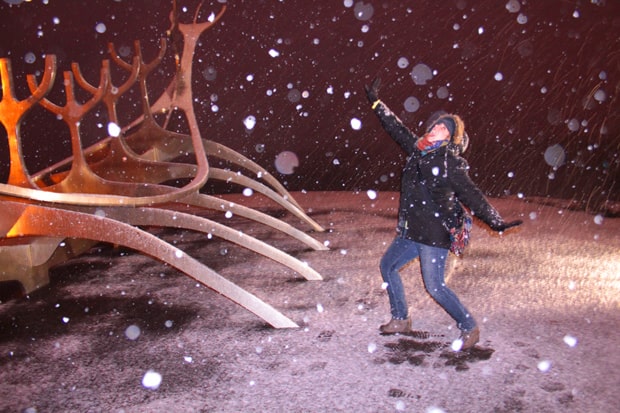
427	146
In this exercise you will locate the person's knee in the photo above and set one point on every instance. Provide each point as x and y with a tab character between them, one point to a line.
386	266
436	290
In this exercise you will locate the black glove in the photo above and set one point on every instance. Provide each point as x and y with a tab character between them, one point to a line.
503	226
372	91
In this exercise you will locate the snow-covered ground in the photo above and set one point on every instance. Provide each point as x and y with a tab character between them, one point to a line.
112	323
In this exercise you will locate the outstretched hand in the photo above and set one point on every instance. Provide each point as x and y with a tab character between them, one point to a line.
507	225
372	91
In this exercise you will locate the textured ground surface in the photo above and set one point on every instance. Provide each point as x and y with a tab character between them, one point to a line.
546	298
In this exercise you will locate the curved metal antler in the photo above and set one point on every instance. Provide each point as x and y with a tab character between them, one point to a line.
111	93
148	216
80	177
144	69
81	185
181	98
12	112
121	163
35	220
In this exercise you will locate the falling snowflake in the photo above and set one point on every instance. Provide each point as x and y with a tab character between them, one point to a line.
151	380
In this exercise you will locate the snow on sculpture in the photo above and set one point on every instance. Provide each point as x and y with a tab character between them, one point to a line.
106	192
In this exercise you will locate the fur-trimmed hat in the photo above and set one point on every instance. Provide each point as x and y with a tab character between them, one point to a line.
456	126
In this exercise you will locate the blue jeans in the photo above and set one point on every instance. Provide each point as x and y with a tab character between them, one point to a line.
432	266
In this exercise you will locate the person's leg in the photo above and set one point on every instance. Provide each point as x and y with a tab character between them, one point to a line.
399	253
432	263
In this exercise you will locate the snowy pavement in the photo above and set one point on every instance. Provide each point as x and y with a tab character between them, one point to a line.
116	331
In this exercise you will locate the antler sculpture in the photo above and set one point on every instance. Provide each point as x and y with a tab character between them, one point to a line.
13	111
118	185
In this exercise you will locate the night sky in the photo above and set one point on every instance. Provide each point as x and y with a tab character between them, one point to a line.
536	82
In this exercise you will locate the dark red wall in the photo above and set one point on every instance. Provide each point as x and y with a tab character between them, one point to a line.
559	63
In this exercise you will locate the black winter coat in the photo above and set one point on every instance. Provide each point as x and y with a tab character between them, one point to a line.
433	186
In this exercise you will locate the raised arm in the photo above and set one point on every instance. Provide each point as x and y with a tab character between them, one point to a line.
390	122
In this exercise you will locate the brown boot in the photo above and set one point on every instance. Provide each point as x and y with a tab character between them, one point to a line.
469	338
396	326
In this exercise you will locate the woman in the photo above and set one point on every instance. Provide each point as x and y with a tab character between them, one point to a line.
434	184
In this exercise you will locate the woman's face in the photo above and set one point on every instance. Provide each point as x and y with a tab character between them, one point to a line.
439	132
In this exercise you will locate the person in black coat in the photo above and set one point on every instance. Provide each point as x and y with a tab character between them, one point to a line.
434	185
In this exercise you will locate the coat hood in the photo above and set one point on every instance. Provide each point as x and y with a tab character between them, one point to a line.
459	139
